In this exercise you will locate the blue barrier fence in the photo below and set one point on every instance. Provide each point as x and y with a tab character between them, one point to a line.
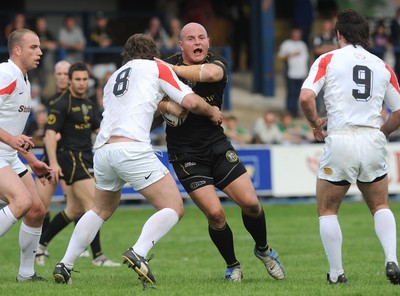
256	158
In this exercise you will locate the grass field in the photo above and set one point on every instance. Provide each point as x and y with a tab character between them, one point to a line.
187	263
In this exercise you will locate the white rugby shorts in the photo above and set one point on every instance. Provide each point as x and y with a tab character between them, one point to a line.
119	163
354	154
11	159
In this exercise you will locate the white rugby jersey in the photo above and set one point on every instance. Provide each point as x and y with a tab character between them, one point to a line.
355	84
131	96
15	101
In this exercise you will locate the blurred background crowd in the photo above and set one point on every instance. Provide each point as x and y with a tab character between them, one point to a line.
95	31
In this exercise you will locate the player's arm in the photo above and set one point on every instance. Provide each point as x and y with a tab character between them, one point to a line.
391	124
309	108
55	121
210	72
196	104
392	96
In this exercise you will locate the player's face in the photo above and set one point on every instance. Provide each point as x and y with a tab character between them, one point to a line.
61	74
194	44
29	51
79	83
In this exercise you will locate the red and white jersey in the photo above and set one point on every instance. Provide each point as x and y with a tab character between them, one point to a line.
131	97
15	101
355	84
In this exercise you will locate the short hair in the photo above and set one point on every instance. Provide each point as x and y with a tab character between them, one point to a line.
79	66
16	37
139	46
354	27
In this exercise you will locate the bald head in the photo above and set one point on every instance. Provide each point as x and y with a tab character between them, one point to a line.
62	65
61	69
193	28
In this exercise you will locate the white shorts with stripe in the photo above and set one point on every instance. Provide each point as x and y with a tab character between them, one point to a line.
119	163
11	159
354	154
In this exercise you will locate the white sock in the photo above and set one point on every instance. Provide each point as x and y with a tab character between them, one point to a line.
28	241
7	220
154	229
84	233
331	236
385	228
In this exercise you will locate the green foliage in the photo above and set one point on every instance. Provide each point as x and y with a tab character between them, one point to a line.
367	7
187	263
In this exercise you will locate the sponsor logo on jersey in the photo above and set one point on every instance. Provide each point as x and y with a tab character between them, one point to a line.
76	109
85	109
231	156
197	184
189	164
25	109
327	171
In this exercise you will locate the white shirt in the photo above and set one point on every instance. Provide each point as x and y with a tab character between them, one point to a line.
131	96
15	101
355	84
298	61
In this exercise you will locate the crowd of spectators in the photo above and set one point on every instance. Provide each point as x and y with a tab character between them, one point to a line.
306	40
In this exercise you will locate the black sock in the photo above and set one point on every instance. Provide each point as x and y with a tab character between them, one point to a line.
257	228
46	222
95	246
223	240
59	222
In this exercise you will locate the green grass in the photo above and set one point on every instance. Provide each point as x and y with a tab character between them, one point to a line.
187	263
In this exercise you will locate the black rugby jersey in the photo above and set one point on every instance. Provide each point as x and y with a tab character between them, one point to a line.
197	133
74	119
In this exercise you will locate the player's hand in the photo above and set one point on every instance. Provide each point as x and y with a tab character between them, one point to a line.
174	108
162	62
216	116
57	172
22	144
43	172
318	130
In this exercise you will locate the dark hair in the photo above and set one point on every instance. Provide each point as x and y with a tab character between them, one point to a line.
79	66
353	27
139	46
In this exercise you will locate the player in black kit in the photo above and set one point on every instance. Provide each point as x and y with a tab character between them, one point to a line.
203	158
72	116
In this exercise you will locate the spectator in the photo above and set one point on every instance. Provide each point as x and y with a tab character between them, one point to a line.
294	132
294	52
157	32
48	45
380	40
102	37
18	22
325	40
175	27
72	40
234	132
266	130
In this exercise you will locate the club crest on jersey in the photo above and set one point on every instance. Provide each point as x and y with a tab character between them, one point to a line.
359	56
231	156
327	171
51	119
